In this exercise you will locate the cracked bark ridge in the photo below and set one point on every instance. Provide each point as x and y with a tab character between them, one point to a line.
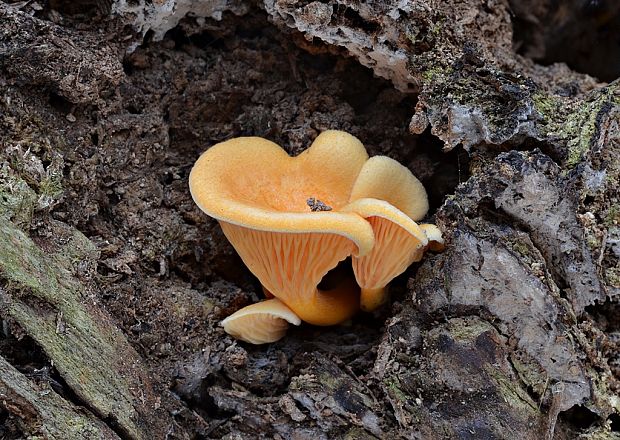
160	17
536	197
323	401
474	90
502	334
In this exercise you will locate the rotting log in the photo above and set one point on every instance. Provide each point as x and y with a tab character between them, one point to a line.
42	413
90	354
494	338
501	317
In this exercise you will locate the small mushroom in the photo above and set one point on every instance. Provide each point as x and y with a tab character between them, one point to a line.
390	198
261	323
435	240
260	196
399	241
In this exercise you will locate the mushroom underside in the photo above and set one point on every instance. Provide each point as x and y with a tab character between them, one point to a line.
394	251
261	323
291	265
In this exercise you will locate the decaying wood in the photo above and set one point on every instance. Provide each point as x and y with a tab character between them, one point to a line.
43	413
91	355
503	335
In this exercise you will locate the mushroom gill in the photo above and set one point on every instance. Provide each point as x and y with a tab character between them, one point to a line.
399	242
261	323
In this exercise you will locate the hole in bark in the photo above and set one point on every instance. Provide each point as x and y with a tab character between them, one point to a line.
9	429
353	19
606	315
448	170
25	354
59	103
201	40
584	34
614	421
196	394
21	352
259	85
84	9
579	416
128	67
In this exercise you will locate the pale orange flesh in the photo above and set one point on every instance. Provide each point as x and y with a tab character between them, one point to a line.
259	329
385	179
435	239
291	265
394	251
259	174
279	191
373	298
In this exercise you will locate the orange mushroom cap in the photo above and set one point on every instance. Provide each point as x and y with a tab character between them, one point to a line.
252	182
260	196
385	179
261	323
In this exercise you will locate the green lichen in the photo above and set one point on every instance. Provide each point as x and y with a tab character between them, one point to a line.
530	372
467	330
17	199
572	121
612	217
357	433
547	105
583	125
612	276
393	386
50	188
521	248
27	186
593	242
512	394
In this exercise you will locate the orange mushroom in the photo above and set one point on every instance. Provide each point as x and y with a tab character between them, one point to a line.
390	198
293	219
260	196
261	323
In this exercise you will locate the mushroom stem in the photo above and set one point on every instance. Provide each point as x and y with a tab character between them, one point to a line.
372	298
329	307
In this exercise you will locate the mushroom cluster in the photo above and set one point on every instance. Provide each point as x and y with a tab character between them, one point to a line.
293	219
